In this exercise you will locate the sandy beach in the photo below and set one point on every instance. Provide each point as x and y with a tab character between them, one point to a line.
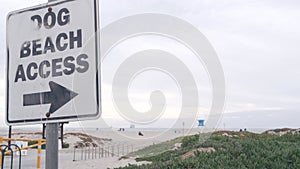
103	148
122	143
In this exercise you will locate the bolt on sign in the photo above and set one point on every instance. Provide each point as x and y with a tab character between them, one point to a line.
53	63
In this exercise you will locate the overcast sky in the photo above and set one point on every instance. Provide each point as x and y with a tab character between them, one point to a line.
256	41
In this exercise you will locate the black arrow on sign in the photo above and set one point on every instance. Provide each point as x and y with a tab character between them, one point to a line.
57	97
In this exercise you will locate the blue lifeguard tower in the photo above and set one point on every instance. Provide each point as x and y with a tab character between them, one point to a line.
201	122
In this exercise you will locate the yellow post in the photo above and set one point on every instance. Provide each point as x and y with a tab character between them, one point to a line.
38	164
1	139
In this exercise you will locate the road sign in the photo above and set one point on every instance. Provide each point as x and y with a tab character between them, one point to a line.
53	63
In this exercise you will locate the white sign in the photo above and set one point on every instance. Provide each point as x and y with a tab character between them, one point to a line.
21	144
53	63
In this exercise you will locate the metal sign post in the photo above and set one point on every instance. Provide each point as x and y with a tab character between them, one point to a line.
52	146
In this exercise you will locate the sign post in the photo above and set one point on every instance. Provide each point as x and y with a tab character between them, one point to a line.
53	67
52	146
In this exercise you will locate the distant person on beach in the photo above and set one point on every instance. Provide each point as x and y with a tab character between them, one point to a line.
140	133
